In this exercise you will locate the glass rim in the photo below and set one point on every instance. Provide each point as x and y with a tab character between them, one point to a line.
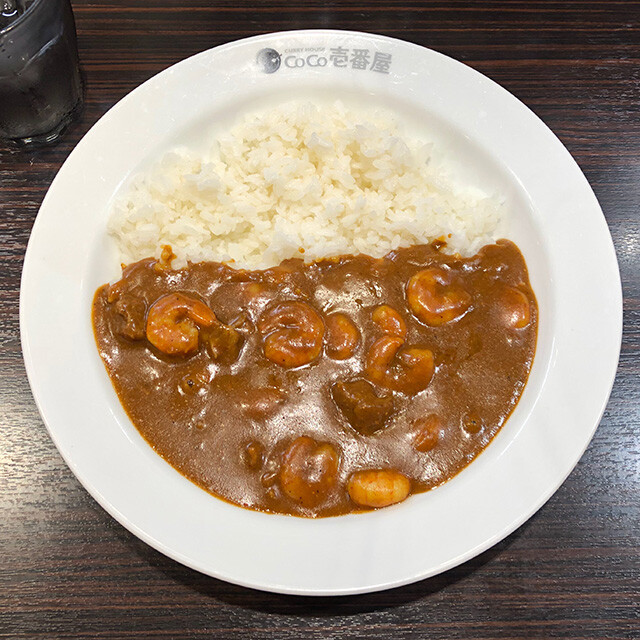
20	19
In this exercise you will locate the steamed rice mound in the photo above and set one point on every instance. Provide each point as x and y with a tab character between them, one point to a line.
300	179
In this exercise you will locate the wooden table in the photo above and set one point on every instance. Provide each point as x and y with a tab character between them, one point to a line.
68	570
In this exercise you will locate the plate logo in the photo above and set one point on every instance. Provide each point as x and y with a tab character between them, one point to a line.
269	60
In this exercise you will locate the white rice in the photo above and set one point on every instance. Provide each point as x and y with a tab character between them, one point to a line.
328	180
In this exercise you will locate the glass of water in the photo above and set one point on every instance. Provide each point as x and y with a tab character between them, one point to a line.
40	84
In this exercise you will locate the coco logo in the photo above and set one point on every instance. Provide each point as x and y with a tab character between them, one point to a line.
269	60
297	62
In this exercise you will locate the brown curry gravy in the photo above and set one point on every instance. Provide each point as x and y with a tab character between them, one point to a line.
227	420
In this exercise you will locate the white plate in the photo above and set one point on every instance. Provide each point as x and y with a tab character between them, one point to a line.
555	219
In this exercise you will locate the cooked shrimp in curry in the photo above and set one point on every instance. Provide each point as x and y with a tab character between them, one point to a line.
389	321
435	299
292	333
378	487
324	388
342	336
411	372
173	323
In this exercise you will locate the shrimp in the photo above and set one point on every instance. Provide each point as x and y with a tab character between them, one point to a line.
173	323
411	374
342	336
377	488
293	333
390	321
434	299
309	471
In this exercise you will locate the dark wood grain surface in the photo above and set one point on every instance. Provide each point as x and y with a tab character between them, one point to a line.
67	570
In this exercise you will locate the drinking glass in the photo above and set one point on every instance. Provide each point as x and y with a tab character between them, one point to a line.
40	84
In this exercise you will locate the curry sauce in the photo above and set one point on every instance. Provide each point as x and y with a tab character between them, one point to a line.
318	389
